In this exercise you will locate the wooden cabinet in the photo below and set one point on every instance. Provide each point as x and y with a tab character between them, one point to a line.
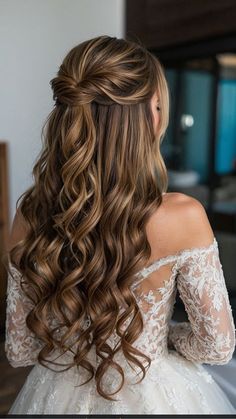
162	24
4	227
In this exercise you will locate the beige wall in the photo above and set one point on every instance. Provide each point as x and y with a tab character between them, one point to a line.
34	37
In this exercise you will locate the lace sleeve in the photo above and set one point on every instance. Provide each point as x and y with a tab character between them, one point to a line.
209	335
21	345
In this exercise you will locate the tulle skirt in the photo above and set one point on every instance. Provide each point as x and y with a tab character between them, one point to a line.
173	385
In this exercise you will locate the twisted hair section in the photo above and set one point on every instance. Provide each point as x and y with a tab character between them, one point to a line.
97	180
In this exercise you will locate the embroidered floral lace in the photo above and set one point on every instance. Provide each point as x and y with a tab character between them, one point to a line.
207	337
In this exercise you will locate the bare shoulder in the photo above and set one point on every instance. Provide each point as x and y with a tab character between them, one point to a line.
181	222
189	221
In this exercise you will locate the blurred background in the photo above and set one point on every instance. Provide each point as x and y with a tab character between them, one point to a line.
196	42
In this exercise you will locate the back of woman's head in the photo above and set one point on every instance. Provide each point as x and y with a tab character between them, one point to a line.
98	179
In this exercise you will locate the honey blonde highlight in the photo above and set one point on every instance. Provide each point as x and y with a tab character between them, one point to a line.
97	180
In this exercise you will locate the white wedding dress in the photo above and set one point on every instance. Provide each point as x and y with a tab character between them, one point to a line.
175	383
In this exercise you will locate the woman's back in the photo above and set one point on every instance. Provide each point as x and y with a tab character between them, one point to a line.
207	337
179	223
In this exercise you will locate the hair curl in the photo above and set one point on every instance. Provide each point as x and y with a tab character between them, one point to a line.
97	180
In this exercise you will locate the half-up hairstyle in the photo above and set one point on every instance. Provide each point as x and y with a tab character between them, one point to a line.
97	180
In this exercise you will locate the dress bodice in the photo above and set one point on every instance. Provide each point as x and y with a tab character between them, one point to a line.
208	336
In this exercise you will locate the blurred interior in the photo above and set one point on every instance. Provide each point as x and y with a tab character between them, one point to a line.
200	146
197	46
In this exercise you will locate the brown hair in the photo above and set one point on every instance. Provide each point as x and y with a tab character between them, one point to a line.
98	179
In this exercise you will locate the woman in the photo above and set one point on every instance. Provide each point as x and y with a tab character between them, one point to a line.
98	250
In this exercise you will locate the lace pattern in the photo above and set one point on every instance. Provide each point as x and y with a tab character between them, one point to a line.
21	345
208	337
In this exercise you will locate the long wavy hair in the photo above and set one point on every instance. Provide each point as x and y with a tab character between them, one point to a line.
97	180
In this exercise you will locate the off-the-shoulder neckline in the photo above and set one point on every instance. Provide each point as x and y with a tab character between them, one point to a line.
166	259
177	256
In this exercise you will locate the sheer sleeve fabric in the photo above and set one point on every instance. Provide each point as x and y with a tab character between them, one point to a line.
209	335
21	345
